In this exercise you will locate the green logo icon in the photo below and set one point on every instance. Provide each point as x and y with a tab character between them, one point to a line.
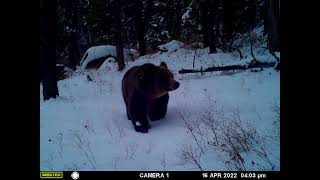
51	174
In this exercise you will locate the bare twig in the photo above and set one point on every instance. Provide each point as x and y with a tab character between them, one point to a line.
163	161
78	141
89	126
251	46
191	155
240	54
190	128
148	149
194	57
115	163
230	137
130	151
254	109
108	128
47	164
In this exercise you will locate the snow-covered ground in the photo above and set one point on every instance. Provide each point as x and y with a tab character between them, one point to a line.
86	127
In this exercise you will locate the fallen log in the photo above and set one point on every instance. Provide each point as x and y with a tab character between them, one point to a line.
251	65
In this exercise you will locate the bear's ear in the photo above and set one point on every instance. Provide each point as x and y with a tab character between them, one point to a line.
163	65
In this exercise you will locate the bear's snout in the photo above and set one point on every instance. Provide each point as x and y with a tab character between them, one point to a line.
176	85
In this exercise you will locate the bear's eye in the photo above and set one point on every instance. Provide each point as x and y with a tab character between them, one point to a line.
164	79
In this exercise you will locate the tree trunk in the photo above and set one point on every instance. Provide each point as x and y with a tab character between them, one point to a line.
118	34
265	17
48	28
212	4
252	13
227	20
148	13
75	34
140	27
272	24
204	21
176	27
273	29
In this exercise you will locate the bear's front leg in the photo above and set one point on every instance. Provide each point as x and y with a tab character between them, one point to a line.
138	127
140	124
128	115
138	112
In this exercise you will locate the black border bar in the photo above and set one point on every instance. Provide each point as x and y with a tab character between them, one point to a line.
83	175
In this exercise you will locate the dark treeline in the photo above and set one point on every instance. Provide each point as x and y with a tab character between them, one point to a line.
145	24
149	23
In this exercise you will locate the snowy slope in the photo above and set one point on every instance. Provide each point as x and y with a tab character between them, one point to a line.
86	128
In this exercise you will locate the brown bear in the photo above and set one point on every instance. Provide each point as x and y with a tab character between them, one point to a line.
145	92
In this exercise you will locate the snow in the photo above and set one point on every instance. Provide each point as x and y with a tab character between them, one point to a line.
101	51
171	46
106	64
68	69
186	16
86	127
277	54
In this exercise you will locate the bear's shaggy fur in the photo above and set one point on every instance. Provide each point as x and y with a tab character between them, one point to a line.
145	92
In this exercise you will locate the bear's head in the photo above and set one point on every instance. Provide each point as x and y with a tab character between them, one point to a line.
158	80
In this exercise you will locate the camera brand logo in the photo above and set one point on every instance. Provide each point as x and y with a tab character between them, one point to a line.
51	175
